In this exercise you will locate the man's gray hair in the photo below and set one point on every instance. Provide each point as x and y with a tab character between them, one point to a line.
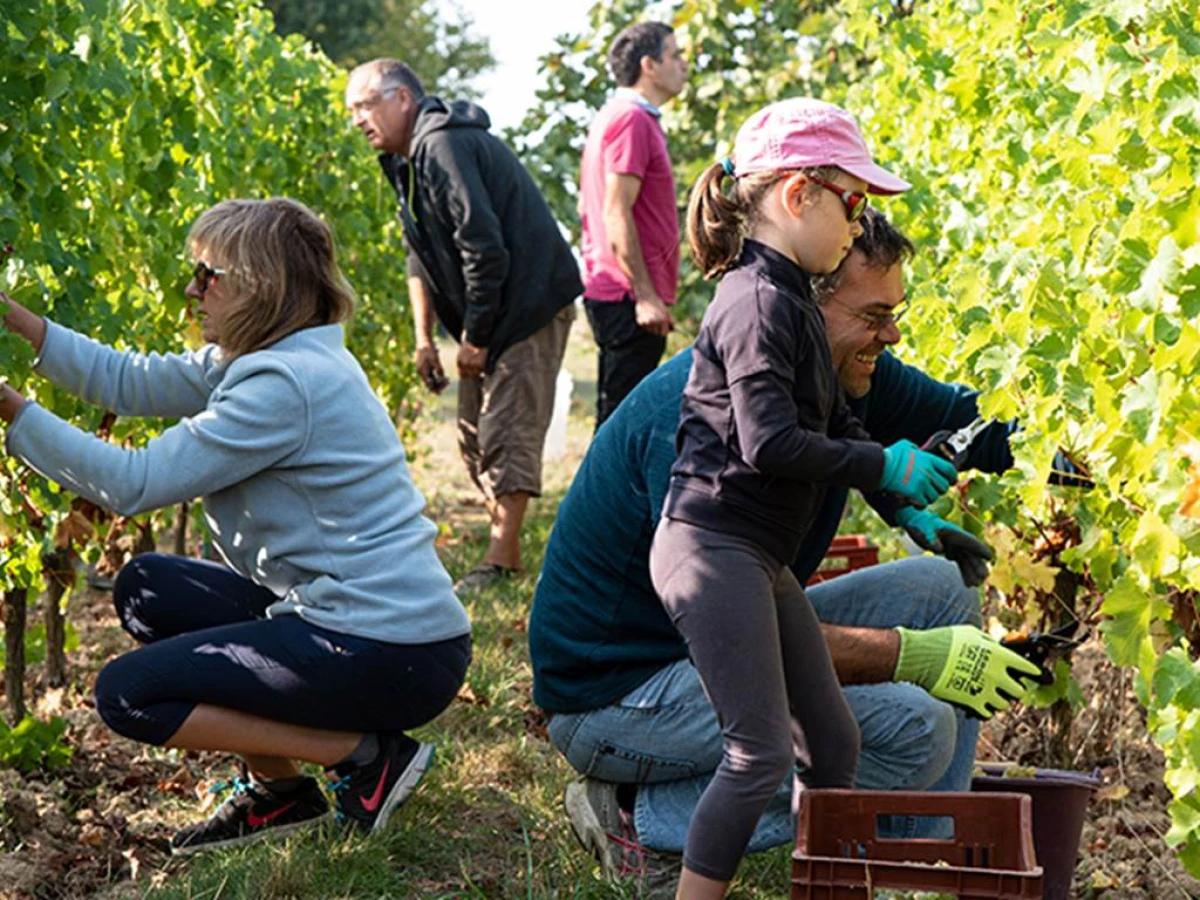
391	74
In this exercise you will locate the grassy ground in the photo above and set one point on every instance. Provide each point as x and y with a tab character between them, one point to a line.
487	822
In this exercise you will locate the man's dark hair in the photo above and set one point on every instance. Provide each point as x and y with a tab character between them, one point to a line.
625	54
882	245
390	74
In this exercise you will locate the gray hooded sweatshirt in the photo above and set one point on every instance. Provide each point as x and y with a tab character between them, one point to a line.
305	487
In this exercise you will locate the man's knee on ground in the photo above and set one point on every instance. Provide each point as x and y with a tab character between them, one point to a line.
931	731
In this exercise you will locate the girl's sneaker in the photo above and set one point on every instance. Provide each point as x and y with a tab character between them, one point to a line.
251	813
368	795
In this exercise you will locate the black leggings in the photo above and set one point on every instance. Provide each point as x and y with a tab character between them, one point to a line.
758	649
208	642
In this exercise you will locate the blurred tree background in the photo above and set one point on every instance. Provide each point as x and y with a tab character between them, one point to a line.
742	55
444	50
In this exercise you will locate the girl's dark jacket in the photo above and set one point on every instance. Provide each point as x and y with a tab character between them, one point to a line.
478	232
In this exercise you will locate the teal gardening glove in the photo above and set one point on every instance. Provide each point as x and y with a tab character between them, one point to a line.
915	475
933	533
966	667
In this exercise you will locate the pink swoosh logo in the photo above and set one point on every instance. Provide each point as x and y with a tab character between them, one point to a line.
370	805
258	821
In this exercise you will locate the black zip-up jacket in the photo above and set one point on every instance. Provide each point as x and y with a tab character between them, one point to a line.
764	425
479	234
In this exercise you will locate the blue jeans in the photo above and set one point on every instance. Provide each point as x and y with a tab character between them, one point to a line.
664	735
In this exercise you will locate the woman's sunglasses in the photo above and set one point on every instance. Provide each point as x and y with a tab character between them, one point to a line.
856	204
203	274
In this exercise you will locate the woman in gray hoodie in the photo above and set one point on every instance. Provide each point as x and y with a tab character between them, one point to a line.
333	627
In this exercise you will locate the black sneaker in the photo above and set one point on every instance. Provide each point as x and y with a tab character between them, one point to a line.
252	813
368	795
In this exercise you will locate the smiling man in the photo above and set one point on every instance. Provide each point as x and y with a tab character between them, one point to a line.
859	332
628	710
485	255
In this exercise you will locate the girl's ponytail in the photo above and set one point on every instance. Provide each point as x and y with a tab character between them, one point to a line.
714	222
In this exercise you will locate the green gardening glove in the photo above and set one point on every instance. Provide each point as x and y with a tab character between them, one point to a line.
964	666
933	533
917	476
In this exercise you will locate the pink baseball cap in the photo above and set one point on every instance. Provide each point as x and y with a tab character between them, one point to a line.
801	133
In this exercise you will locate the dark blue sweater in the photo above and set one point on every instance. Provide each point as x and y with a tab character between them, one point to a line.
597	629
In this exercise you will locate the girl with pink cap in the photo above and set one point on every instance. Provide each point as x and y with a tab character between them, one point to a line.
763	428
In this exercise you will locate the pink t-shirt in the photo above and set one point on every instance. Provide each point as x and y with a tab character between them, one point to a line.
627	139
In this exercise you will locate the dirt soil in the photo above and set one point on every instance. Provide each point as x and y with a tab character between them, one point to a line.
1121	853
107	816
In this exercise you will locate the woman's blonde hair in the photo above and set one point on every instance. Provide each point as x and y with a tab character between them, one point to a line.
717	220
280	263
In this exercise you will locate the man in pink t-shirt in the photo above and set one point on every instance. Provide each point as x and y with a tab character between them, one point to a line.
630	221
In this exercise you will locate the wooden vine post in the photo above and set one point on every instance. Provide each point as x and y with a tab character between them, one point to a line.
14	646
59	570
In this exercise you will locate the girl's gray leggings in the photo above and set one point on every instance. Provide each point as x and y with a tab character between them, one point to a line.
757	646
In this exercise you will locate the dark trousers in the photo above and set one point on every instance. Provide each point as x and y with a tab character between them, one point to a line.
627	353
758	649
207	641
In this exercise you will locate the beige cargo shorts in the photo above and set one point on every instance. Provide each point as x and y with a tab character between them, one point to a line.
503	415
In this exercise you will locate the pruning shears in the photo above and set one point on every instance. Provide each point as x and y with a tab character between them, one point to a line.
954	445
1040	648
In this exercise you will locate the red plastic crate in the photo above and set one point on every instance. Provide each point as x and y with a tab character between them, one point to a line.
847	553
839	854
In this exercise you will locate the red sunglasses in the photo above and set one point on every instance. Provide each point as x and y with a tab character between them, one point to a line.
856	204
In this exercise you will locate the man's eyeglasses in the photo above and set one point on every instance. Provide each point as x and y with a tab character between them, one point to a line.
203	274
876	321
360	106
856	204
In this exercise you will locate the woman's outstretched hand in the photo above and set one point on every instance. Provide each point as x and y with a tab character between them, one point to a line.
17	319
11	402
20	321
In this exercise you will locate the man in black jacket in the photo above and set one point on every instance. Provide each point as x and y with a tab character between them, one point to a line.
486	255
